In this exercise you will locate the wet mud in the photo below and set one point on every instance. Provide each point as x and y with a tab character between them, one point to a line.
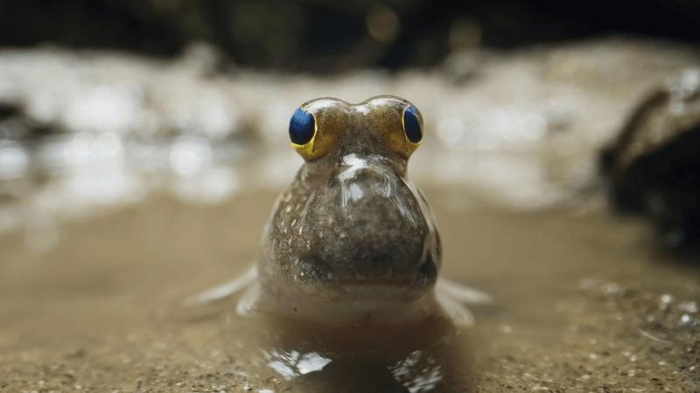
581	304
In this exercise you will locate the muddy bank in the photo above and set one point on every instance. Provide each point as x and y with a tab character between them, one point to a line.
581	305
105	226
89	130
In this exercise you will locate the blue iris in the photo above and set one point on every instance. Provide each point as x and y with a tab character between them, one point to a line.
411	124
301	127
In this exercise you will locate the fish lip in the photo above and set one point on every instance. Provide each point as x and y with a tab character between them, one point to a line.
377	296
375	289
376	282
425	276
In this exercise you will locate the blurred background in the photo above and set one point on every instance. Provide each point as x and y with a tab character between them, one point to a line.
328	37
103	101
142	144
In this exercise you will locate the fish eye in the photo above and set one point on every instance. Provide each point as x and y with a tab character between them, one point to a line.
412	124
302	127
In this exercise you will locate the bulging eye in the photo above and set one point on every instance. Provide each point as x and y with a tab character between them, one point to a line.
412	124
302	127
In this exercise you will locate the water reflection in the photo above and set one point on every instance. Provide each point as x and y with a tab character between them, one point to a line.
292	364
422	357
14	160
108	129
190	156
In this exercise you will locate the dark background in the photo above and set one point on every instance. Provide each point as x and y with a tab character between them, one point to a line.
327	36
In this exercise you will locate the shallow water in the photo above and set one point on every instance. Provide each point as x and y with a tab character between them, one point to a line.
581	304
157	178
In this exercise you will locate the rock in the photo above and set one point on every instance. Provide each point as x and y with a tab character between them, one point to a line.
654	165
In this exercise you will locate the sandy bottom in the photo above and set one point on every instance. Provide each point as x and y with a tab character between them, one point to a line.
582	303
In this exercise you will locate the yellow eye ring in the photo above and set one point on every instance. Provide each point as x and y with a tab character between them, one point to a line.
303	129
313	134
409	138
412	124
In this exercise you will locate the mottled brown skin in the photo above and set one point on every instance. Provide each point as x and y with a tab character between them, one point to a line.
351	227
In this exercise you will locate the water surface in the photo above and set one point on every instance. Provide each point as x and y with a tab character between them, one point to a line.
582	303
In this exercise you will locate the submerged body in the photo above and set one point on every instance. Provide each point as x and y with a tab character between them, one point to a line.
352	238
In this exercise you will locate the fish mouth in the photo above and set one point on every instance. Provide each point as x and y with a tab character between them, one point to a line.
377	282
424	277
388	289
313	277
376	294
